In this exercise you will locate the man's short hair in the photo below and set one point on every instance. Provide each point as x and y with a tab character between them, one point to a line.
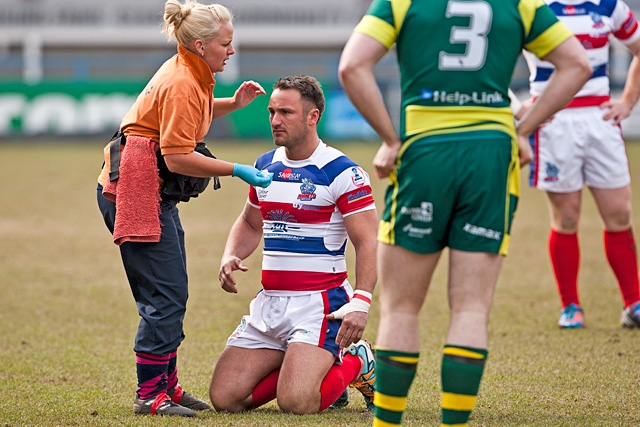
308	87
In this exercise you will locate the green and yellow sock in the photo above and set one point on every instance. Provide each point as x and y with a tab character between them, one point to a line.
462	369
395	371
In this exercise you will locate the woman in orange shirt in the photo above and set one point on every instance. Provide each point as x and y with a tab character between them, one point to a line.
161	160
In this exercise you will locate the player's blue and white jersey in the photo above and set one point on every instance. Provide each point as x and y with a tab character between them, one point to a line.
305	238
592	22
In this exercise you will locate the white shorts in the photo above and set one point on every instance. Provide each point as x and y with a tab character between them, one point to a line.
276	321
577	148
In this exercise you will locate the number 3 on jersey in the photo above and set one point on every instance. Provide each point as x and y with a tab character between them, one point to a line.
474	36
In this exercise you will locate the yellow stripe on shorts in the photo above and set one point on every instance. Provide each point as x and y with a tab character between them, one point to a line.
386	232
513	189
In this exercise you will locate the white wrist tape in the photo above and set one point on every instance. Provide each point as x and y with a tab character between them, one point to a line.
361	302
516	105
364	296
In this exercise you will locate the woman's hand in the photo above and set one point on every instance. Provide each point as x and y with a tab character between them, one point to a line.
247	92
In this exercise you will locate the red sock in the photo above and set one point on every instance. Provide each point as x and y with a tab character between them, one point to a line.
338	379
265	391
620	248
564	251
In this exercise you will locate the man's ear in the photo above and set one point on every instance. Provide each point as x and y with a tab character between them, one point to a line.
314	116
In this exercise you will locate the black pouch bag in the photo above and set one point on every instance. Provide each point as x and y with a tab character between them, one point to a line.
182	187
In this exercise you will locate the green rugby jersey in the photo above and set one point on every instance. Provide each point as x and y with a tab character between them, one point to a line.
456	58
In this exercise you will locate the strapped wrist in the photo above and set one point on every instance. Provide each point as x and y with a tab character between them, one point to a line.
363	295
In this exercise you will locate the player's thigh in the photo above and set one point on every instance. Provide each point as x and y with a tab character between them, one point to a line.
303	369
238	370
404	278
472	280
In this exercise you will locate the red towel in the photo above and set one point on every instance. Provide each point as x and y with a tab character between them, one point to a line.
136	193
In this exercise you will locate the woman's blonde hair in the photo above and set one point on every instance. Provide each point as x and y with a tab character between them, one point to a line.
191	21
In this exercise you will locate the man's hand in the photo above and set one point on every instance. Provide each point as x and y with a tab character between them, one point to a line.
354	315
524	150
524	107
386	158
351	329
616	110
228	265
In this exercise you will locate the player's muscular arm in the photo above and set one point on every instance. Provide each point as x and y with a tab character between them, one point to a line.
243	240
355	71
572	72
362	230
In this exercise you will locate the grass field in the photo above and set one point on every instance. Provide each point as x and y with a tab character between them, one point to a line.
67	319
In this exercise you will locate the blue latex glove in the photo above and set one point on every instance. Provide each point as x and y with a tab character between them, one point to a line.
251	175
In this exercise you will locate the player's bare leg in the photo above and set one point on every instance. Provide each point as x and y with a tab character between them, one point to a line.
237	373
564	253
614	206
564	211
303	369
404	279
472	280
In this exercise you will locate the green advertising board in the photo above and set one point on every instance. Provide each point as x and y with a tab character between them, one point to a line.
96	108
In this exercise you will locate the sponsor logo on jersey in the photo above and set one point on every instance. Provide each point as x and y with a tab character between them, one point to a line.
483	98
281	221
597	20
289	175
424	213
304	207
358	195
630	26
416	232
307	190
357	176
262	193
481	231
572	10
552	172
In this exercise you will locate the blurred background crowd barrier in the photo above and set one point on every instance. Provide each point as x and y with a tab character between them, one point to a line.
73	67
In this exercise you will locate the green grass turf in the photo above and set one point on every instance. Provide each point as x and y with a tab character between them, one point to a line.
68	320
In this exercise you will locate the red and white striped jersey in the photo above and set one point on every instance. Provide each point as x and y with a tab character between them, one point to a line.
305	238
592	22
